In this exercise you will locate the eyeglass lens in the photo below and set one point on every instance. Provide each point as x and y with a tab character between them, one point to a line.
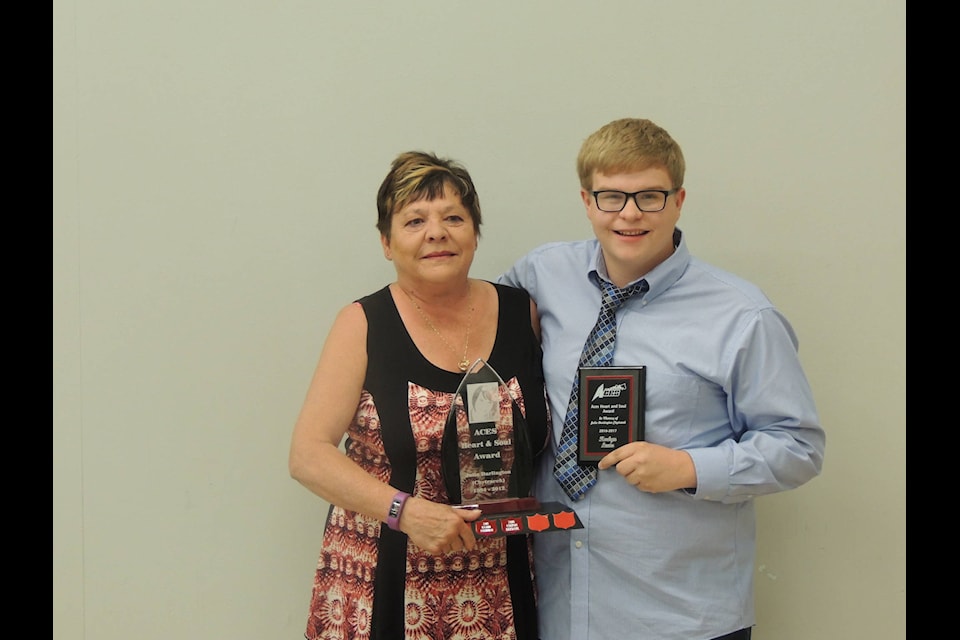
614	201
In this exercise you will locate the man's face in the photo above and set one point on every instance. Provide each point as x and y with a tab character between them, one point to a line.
634	242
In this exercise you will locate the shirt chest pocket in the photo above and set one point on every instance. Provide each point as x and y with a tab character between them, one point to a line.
681	407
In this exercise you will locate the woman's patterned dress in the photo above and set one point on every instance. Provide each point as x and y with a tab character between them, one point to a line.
371	583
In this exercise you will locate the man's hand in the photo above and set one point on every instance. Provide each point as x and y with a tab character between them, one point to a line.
651	467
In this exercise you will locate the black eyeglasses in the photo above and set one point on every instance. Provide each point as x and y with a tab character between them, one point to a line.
649	201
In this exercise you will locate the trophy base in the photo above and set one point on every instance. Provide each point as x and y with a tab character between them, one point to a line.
509	505
522	515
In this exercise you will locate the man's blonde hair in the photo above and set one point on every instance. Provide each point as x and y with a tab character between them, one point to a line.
628	145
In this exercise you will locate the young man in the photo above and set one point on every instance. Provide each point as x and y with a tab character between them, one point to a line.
667	548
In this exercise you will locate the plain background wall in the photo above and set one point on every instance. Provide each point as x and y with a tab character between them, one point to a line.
214	174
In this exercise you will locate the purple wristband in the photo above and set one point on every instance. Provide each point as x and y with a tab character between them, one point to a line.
396	508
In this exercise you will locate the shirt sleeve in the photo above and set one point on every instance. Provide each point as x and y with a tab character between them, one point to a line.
512	276
780	442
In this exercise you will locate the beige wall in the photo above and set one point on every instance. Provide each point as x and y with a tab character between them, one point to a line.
215	165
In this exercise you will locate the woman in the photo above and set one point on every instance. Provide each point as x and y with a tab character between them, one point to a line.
393	566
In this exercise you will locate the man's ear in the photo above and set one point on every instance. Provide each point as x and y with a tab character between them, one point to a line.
679	197
586	196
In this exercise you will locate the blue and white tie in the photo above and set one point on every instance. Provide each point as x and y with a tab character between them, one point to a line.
597	352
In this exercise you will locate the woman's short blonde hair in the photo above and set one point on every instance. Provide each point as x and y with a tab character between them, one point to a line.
417	175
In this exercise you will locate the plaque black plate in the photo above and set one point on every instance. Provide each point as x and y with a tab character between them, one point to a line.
611	410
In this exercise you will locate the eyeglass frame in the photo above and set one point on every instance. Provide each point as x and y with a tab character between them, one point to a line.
666	194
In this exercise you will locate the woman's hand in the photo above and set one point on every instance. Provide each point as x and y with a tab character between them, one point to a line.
438	528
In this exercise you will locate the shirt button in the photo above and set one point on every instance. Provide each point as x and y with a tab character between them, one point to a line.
578	544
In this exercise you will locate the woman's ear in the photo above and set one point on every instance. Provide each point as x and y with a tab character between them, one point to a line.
386	247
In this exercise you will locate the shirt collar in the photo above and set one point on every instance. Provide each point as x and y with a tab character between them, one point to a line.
661	278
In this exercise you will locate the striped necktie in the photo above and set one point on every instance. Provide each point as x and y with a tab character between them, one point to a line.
597	352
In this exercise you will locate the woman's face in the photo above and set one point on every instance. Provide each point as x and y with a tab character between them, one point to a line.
432	241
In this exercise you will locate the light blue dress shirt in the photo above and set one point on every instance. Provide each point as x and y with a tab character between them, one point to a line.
724	383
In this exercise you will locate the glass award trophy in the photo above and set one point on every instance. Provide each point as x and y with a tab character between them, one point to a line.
487	458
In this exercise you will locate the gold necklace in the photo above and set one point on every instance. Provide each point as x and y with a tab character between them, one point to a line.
464	363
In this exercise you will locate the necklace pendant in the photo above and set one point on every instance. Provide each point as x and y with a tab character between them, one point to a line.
463	364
